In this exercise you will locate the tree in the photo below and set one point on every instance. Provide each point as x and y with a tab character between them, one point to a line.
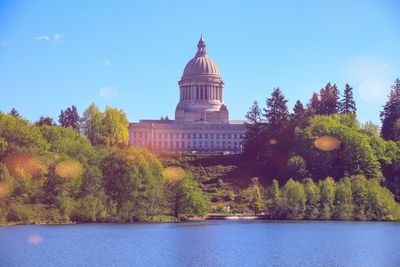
276	112
327	189
122	184
300	115
343	203
92	125
329	100
313	104
296	168
45	121
253	136
348	105
116	127
294	200
14	113
69	118
186	197
370	128
391	112
313	195
274	200
253	196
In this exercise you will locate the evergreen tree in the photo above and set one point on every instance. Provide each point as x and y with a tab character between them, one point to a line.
253	137
391	112
313	104
348	105
69	118
298	108
45	121
329	100
14	113
300	115
276	112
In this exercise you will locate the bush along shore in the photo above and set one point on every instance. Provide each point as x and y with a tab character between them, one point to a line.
326	165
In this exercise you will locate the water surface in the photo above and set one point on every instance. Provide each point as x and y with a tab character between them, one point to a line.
210	243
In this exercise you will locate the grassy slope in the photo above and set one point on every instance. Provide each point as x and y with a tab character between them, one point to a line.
222	176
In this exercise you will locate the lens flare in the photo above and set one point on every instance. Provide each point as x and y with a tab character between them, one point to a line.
25	166
173	173
69	169
4	190
327	143
273	141
35	239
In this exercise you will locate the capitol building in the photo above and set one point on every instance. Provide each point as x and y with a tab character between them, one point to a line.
201	117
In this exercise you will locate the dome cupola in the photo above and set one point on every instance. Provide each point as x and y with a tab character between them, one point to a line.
201	90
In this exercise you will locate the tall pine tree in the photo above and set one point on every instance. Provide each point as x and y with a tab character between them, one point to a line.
329	100
253	137
348	105
391	112
276	112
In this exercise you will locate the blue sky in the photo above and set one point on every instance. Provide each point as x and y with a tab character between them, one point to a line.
131	54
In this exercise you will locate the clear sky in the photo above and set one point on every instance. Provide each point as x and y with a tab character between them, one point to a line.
131	54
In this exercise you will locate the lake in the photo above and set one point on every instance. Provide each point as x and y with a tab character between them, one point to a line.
209	243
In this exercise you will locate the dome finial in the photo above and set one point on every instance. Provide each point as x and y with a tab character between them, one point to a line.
201	47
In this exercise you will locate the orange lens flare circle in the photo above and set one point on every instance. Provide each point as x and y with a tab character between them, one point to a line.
327	143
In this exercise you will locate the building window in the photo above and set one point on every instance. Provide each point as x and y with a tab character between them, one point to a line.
165	135
183	135
171	144
194	136
206	136
188	135
171	135
176	135
165	144
235	136
177	144
183	144
159	144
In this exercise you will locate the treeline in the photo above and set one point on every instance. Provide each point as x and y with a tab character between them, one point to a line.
54	174
351	198
323	138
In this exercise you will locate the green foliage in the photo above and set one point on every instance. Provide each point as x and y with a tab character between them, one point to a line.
327	189
296	168
391	113
186	197
293	200
92	125
252	196
343	203
313	196
115	127
354	156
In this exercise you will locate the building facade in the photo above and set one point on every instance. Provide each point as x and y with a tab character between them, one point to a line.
201	118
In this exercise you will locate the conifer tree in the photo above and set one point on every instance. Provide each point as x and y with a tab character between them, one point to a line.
329	100
276	113
254	125
391	112
69	118
348	105
313	104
